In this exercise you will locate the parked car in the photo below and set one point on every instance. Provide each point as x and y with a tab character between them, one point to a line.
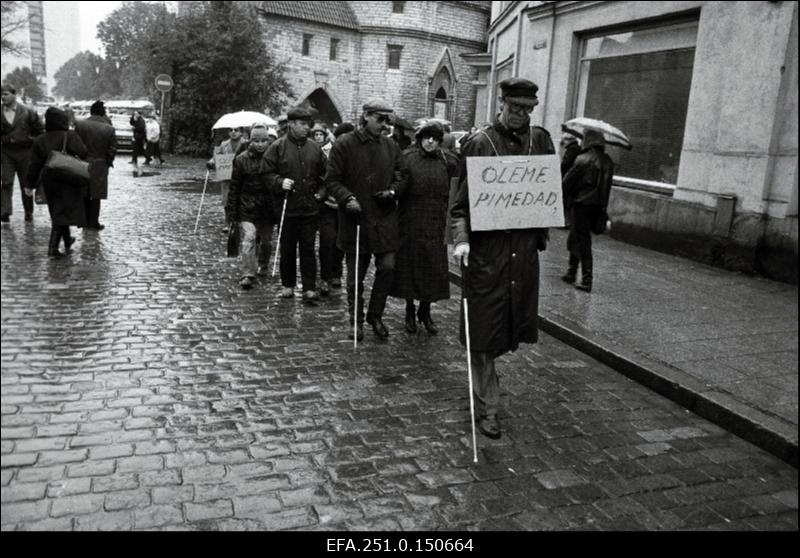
124	131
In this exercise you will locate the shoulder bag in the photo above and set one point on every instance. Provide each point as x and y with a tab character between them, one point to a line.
67	168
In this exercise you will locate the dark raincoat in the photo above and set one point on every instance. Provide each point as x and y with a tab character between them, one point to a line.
361	165
64	200
588	181
250	198
303	162
101	142
501	282
421	270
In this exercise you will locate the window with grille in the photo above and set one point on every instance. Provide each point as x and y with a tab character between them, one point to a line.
398	7
307	44
395	51
639	81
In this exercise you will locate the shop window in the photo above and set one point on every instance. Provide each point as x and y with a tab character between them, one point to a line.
639	81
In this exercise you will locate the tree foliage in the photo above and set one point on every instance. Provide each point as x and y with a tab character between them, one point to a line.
25	81
87	76
13	17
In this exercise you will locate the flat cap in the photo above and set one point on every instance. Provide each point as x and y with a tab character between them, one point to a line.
519	90
299	113
378	106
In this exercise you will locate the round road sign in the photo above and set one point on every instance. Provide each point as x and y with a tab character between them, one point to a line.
163	82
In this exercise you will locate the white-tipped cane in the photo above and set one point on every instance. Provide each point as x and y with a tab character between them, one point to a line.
197	221
355	295
280	231
469	369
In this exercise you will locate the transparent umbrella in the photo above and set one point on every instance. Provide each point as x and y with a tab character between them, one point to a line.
243	119
612	135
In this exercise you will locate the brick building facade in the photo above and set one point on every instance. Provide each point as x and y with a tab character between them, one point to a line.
338	54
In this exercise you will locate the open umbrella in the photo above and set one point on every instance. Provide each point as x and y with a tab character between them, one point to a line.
243	119
612	135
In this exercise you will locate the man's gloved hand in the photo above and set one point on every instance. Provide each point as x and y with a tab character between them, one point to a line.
384	197
352	206
461	253
287	185
210	165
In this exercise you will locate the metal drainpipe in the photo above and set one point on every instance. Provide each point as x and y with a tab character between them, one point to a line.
549	62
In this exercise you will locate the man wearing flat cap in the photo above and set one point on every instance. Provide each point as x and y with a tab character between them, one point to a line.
500	268
295	172
101	142
365	178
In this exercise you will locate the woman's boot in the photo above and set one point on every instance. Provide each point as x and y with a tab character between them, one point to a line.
424	316
55	239
68	240
411	321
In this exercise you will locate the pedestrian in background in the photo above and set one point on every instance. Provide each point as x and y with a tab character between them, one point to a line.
587	187
250	204
20	125
101	142
65	201
365	177
421	271
230	146
139	139
153	137
320	135
330	256
500	268
569	148
295	170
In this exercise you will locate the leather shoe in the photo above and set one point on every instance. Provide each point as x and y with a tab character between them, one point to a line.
584	287
378	327
96	227
568	278
28	216
359	332
489	427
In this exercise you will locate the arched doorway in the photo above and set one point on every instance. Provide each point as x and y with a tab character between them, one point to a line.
319	100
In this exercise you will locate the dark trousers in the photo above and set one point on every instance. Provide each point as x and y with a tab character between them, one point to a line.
485	384
330	257
14	161
92	211
153	151
300	231
579	241
384	277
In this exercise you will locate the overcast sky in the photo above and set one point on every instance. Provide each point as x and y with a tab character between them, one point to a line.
93	13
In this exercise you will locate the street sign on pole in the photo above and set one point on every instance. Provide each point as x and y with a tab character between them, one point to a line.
163	84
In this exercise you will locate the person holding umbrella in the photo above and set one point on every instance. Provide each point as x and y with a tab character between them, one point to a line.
250	203
365	178
587	187
500	268
295	169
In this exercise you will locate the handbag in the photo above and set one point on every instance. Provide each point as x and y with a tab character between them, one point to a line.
233	240
67	168
600	222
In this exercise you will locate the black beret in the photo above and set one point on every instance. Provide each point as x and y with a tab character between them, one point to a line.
519	90
343	128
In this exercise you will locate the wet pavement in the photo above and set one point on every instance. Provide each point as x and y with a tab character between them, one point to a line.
141	389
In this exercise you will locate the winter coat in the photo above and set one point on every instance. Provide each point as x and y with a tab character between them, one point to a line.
421	269
501	282
20	134
361	165
588	182
64	201
250	197
101	142
302	162
139	127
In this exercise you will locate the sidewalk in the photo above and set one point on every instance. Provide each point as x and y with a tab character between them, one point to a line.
722	344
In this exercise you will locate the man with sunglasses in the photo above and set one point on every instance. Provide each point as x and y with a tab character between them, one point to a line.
365	177
500	268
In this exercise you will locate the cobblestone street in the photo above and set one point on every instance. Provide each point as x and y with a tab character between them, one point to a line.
142	389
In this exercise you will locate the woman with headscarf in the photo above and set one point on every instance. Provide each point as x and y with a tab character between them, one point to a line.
65	201
421	271
586	186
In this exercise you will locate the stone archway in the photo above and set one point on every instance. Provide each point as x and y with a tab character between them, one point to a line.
326	108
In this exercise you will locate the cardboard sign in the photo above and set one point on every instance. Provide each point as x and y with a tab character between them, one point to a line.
224	165
515	192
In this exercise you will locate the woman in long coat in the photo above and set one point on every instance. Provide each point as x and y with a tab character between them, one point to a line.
64	200
421	270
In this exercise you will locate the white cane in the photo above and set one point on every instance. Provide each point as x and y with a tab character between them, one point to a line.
197	221
355	296
280	230
469	368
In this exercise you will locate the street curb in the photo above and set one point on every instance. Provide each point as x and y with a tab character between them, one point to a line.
677	386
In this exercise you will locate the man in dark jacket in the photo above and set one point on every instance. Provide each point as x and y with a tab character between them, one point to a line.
587	186
139	139
365	178
295	171
20	125
250	205
101	141
500	268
